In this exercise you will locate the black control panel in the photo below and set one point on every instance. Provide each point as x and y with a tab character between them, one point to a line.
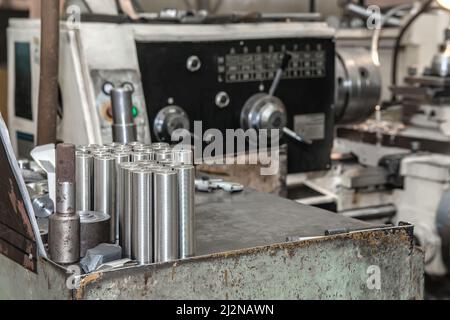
212	81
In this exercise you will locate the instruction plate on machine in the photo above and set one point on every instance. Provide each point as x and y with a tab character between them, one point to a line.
310	126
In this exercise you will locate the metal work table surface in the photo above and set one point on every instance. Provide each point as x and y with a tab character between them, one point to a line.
249	219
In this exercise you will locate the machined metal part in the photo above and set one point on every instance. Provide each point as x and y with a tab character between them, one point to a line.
64	237
64	224
104	187
186	209
142	218
160	145
134	144
358	87
94	230
84	181
124	128
126	211
139	156
168	120
43	206
263	111
84	149
120	195
166	224
183	156
164	155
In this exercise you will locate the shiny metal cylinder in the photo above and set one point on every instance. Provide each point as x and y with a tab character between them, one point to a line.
84	181
123	148
64	237
94	230
142	218
160	145
124	128
135	143
164	155
183	156
165	208
126	210
120	158
104	188
186	209
84	149
139	156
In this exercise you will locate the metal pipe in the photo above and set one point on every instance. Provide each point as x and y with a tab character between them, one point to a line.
142	219
186	205
165	188
104	181
84	181
48	79
64	224
124	128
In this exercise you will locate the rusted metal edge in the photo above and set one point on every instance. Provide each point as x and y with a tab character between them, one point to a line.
403	233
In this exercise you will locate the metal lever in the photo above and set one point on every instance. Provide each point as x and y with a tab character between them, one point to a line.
296	136
276	81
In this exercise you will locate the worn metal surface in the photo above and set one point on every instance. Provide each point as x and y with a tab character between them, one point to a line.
240	239
331	268
18	283
322	268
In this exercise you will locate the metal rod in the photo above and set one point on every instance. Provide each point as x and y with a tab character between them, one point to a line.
142	219
120	158
166	225
48	83
186	205
104	181
64	224
124	128
84	181
126	209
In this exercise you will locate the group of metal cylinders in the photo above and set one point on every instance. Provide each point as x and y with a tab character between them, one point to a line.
148	190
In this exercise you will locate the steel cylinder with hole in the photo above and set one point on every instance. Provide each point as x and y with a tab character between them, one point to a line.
94	230
186	209
142	218
84	181
104	187
165	208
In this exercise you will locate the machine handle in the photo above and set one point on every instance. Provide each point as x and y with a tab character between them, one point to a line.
296	136
276	81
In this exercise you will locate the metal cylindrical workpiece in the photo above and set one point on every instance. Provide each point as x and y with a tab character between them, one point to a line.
104	188
165	209
124	129
164	155
186	209
183	156
64	237
126	210
84	181
142	220
94	230
160	145
64	224
139	156
119	159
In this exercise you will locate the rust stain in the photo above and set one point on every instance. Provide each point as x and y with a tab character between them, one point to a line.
174	266
225	277
86	281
